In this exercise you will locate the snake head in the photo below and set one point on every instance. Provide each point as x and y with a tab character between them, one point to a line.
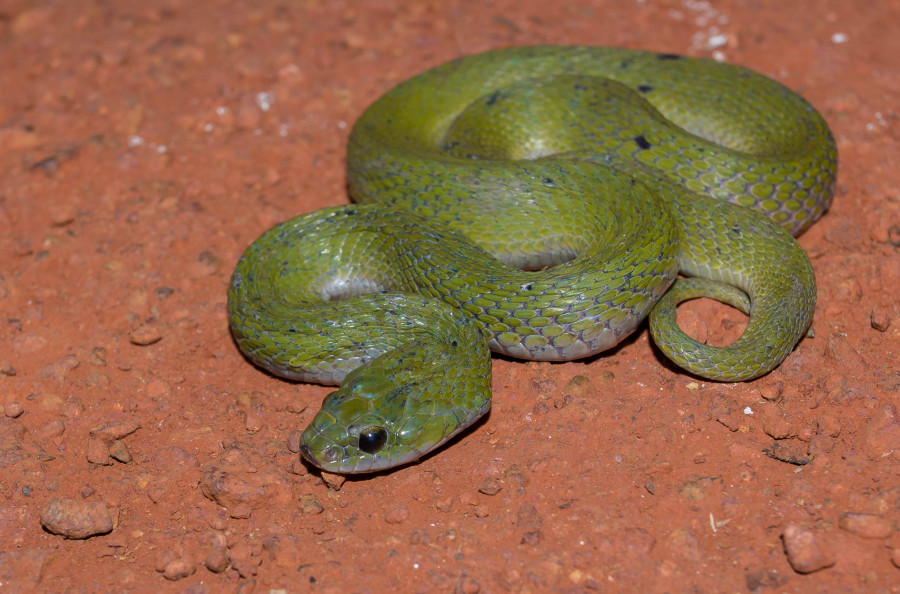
373	423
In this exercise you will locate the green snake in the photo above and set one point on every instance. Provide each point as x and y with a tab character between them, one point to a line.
538	202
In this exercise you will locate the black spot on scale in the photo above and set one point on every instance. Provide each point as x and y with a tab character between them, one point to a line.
454	344
644	88
579	87
668	56
493	98
642	142
548	181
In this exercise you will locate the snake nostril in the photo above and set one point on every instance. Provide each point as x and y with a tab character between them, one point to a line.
331	454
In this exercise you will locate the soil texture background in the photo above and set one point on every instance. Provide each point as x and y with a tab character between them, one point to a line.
144	145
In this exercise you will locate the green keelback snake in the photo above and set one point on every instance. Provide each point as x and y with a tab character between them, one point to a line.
537	202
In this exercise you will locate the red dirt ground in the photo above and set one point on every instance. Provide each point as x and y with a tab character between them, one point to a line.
144	145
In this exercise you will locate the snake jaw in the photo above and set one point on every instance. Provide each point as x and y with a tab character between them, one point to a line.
345	437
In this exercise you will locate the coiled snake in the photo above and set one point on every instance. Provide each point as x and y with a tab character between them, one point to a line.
537	202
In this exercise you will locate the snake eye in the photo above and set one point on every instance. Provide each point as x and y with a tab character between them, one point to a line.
372	439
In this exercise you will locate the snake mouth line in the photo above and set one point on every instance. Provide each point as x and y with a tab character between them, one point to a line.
306	452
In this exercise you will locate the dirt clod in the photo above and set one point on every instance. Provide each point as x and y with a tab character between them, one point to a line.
178	569
490	486
396	514
866	525
217	560
76	519
805	549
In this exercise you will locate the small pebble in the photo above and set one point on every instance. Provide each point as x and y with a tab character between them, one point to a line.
882	434
60	370
880	320
179	569
692	491
762	580
217	560
115	430
731	419
310	505
144	335
481	511
528	517
865	525
531	538
293	440
693	325
241	511
397	514
76	519
49	430
893	234
805	551
333	481
828	425
792	452
684	543
468	498
97	357
777	427
296	406
218	522
163	293
245	559
13	410
820	444
72	408
444	505
236	477
805	434
119	452
164	558
62	215
490	486
581	386
252	422
773	392
97	452
298	468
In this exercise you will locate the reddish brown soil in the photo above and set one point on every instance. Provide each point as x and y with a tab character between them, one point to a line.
144	145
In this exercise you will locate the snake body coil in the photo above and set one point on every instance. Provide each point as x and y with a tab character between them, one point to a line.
537	202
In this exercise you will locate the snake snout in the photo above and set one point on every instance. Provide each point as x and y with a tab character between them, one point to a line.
306	452
328	459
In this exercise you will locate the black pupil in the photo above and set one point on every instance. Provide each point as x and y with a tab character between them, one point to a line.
373	439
